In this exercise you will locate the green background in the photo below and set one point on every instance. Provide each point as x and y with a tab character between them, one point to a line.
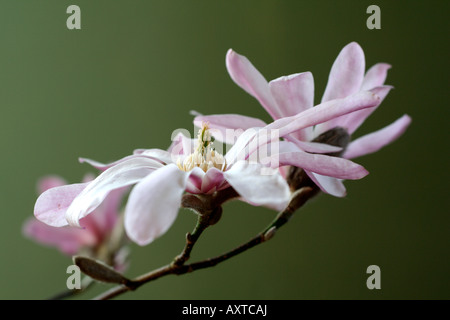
131	75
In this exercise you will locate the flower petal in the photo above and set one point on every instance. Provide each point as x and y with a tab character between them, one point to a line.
123	174
376	140
156	155
228	127
353	120
194	182
315	147
254	139
49	182
245	75
181	145
324	112
239	149
321	164
68	240
51	206
258	186
212	181
294	94
105	217
330	185
375	76
347	73
154	203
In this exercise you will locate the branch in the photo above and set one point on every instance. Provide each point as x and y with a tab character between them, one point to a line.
178	267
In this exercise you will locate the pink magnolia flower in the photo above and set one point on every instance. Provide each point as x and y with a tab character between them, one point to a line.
287	96
161	177
96	229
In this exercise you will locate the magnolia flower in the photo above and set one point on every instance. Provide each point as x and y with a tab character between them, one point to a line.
161	177
97	229
287	96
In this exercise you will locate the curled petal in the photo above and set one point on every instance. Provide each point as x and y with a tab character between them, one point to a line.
322	164
315	147
353	120
259	186
239	150
293	145
105	217
347	73
330	185
324	112
195	180
121	175
245	75
376	140
153	204
181	146
160	156
51	206
375	76
212	181
228	127
294	94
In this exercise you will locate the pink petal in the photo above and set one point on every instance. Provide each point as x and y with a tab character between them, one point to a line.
123	174
252	139
239	150
315	147
259	186
376	140
181	145
375	76
103	220
324	112
245	75
353	120
294	94
347	73
228	127
51	206
161	156
195	180
212	181
49	182
68	240
329	185
153	204
322	164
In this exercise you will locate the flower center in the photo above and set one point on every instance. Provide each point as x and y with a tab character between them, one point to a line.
204	156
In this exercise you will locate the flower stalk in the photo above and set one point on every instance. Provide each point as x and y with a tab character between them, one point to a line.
179	266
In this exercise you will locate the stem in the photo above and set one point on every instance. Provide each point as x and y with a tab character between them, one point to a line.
178	267
191	239
85	284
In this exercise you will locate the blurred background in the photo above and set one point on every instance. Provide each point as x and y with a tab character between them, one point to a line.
131	75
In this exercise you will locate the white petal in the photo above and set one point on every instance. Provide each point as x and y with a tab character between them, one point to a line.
123	174
330	185
259	185
154	203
